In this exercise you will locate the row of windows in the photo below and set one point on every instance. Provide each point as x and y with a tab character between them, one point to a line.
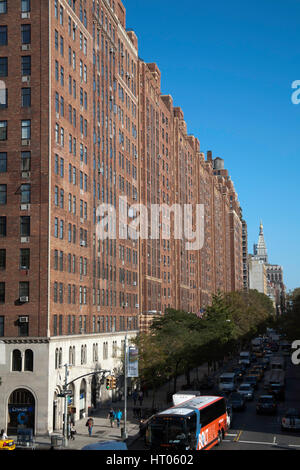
24	4
72	204
59	227
100	324
25	129
58	293
24	191
23	291
24	259
24	226
59	260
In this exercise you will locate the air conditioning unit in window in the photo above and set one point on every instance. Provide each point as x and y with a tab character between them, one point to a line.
23	319
26	78
25	142
25	47
24	298
134	283
25	15
136	305
25	239
82	243
24	207
25	174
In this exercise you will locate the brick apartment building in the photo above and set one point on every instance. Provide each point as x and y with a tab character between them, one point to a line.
83	123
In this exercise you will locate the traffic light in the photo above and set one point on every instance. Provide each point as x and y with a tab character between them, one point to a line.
108	383
113	382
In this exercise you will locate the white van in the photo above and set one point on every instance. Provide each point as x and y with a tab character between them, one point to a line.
227	382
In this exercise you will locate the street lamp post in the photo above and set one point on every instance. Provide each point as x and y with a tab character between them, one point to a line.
124	433
65	429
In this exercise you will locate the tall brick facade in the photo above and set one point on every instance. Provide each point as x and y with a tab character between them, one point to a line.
85	124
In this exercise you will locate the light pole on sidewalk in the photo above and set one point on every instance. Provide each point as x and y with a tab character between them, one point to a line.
124	430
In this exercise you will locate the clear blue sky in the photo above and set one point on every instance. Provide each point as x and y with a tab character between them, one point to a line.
229	65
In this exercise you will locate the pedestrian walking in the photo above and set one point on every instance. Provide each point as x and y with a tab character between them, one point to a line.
118	417
111	416
135	397
90	424
141	397
3	435
72	432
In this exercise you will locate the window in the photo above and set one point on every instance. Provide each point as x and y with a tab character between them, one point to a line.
3	130
25	193
3	194
23	289
25	161
25	6
2	292
3	6
3	35
61	15
26	129
26	65
2	226
3	95
2	258
3	162
28	363
24	258
23	326
26	33
26	97
25	226
1	325
16	360
3	66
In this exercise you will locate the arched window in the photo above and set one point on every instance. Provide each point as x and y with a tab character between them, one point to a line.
28	365
17	360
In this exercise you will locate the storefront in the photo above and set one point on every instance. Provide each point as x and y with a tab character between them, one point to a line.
21	411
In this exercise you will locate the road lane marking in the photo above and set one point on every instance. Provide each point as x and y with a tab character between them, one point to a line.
238	436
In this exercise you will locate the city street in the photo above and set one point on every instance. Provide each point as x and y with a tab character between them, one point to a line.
250	431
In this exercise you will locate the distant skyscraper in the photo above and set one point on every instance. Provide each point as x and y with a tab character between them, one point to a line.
260	249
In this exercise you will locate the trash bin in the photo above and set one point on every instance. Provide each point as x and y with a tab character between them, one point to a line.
57	440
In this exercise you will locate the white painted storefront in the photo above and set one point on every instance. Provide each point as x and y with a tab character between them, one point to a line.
32	374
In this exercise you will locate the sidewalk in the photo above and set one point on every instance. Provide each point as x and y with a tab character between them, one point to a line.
102	430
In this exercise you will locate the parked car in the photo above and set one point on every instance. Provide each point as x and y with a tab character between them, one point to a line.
252	380
291	420
7	444
266	405
246	390
237	401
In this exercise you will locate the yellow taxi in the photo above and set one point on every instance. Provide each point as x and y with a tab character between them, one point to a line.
7	444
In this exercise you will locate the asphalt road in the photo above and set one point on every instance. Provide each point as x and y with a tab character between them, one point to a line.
250	431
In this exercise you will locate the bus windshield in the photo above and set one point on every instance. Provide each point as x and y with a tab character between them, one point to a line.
171	430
